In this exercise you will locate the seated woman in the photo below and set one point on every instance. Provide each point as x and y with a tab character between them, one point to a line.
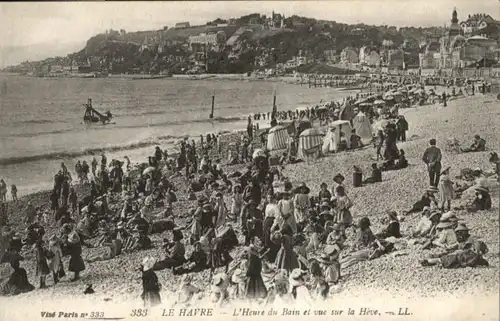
18	281
137	241
369	247
196	262
482	201
175	253
424	226
111	250
140	223
479	145
393	229
355	140
324	193
336	236
445	237
427	199
376	175
393	164
469	254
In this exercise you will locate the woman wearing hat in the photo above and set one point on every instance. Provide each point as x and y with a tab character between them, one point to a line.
330	263
187	291
446	191
254	287
18	281
393	229
150	284
76	264
285	206
342	208
238	279
338	180
298	287
42	269
428	199
469	254
220	284
301	205
286	258
324	193
175	253
336	235
278	293
325	214
208	217
369	247
446	238
271	213
55	263
482	200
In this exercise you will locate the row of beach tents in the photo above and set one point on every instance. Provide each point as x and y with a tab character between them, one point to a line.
313	142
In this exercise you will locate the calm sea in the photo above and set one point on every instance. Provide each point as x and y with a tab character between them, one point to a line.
41	118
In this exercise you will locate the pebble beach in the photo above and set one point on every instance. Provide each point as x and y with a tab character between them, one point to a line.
398	276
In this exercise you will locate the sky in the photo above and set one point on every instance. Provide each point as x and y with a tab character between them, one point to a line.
37	29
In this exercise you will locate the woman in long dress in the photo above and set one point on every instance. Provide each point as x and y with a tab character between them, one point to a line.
286	258
285	207
301	205
342	208
150	284
446	191
76	264
42	269
55	263
255	288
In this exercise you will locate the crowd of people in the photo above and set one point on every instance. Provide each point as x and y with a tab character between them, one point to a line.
295	245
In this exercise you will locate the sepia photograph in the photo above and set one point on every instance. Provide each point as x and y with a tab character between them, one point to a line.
250	160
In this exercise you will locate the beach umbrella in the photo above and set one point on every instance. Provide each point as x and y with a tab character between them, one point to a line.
378	102
388	98
322	108
148	170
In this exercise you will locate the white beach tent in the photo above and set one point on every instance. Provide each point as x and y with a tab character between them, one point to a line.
361	124
332	135
310	143
277	138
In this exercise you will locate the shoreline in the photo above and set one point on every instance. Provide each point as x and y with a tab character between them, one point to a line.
390	275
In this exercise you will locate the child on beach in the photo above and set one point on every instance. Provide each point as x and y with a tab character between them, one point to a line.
446	191
13	192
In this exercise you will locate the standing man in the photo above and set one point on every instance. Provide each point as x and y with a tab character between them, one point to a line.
432	157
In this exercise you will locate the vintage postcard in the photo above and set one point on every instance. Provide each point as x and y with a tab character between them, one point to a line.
250	160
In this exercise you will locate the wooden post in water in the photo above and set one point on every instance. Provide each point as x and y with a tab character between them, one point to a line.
213	104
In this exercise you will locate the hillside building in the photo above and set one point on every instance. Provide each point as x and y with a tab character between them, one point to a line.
349	56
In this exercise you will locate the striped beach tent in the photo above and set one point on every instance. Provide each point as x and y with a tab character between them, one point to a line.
361	124
277	138
310	142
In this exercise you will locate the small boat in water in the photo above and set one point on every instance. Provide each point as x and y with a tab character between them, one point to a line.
93	116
